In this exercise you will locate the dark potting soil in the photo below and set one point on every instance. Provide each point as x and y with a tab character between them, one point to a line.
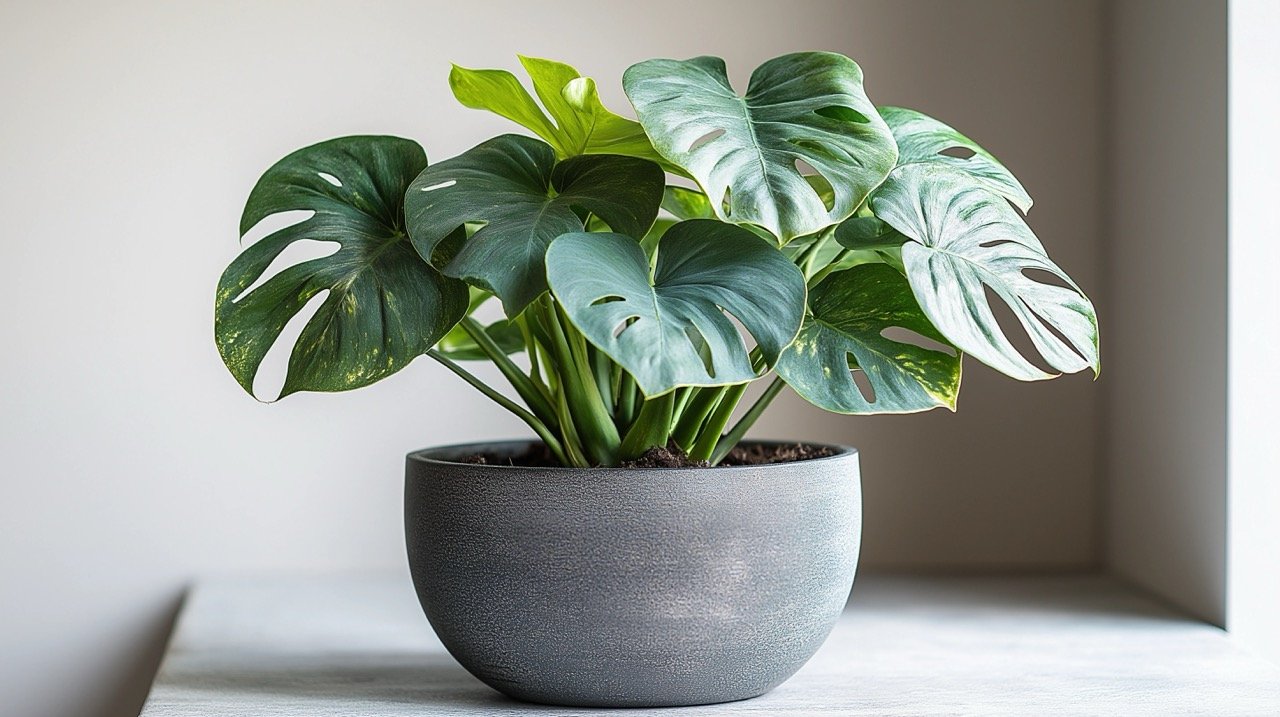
754	454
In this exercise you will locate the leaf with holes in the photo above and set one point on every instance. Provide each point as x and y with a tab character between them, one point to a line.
851	312
385	306
965	239
579	122
801	111
672	330
922	138
525	199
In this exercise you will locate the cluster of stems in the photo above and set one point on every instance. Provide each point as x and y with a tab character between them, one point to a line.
587	408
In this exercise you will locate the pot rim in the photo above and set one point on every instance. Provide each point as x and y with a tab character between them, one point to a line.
428	456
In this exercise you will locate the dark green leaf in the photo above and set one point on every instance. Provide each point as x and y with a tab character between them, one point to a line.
966	237
661	329
385	306
850	311
922	138
525	199
805	107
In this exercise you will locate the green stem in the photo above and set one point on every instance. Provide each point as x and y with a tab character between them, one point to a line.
572	441
537	400
824	271
531	349
600	368
810	254
594	423
696	410
538	426
627	395
710	435
735	434
651	428
682	399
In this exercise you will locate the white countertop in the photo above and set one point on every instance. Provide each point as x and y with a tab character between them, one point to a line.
1026	646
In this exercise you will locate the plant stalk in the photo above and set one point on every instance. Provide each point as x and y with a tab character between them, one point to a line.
651	428
735	434
537	400
711	430
696	409
538	426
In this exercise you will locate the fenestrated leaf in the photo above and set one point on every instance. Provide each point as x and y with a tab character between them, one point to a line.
579	122
922	138
850	311
659	330
965	237
385	304
526	199
806	106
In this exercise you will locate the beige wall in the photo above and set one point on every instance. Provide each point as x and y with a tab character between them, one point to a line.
1165	454
132	133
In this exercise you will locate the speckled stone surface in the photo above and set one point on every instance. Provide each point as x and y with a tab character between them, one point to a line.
631	587
1044	646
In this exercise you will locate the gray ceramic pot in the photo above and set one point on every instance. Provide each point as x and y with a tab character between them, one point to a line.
631	587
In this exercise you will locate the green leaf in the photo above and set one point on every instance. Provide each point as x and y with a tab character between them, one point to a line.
922	138
659	329
526	199
579	122
866	233
499	92
458	346
684	203
966	237
385	305
806	106
850	311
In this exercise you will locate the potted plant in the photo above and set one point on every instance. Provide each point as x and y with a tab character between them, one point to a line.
638	552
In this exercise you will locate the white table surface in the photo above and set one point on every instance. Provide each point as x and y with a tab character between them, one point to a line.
1027	646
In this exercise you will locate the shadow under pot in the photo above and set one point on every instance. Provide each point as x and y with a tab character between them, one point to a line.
631	587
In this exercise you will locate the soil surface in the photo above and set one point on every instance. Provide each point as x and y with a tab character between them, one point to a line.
752	454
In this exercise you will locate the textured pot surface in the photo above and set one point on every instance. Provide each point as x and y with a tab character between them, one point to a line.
631	587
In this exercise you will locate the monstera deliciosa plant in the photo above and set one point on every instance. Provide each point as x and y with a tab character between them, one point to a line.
649	271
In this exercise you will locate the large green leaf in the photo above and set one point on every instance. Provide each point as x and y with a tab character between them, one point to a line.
671	330
385	304
850	311
807	107
579	122
525	199
922	138
966	237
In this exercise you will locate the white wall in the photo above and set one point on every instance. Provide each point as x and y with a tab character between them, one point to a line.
1253	328
132	131
1165	370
